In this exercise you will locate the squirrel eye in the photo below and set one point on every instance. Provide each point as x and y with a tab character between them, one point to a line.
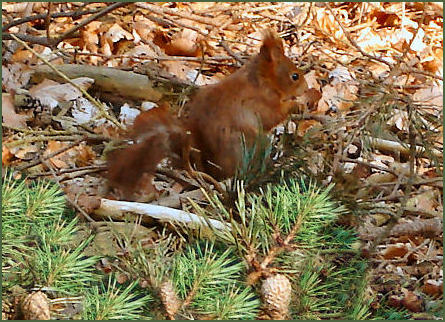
295	76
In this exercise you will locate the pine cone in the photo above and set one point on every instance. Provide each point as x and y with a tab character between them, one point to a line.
169	298
36	307
276	291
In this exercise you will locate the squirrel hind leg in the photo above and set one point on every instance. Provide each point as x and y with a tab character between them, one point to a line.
196	174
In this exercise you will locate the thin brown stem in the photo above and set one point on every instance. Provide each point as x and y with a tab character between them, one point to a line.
73	14
51	155
90	19
45	41
353	42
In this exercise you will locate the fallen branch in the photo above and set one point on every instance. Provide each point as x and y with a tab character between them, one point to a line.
370	165
106	80
419	226
41	138
116	209
216	60
68	174
392	146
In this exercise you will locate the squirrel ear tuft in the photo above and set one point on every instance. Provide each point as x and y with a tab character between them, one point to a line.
272	44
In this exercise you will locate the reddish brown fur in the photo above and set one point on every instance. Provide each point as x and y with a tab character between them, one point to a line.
261	93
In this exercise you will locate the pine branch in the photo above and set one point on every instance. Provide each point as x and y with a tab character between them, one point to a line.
110	302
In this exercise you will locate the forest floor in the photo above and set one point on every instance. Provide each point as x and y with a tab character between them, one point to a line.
373	124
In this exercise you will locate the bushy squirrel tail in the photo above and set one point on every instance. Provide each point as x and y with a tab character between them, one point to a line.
157	134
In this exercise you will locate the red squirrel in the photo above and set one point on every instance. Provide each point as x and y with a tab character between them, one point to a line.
208	136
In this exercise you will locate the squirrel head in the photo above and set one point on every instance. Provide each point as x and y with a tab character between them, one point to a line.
277	69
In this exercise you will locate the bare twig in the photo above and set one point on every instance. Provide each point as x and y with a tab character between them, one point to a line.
72	172
190	16
73	14
231	53
282	244
216	60
44	41
48	22
51	155
184	25
353	42
419	25
54	132
91	18
22	29
408	188
41	138
374	166
28	38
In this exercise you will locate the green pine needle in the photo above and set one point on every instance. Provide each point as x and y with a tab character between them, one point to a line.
45	200
64	270
111	302
13	192
211	279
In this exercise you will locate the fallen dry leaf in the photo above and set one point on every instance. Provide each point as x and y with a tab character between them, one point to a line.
305	125
393	251
370	41
184	43
19	7
140	50
177	68
427	200
88	203
85	155
80	155
432	95
128	114
379	220
9	115
412	302
312	80
116	33
25	152
6	156
15	76
311	98
337	97
84	111
433	288
51	93
144	30
58	161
